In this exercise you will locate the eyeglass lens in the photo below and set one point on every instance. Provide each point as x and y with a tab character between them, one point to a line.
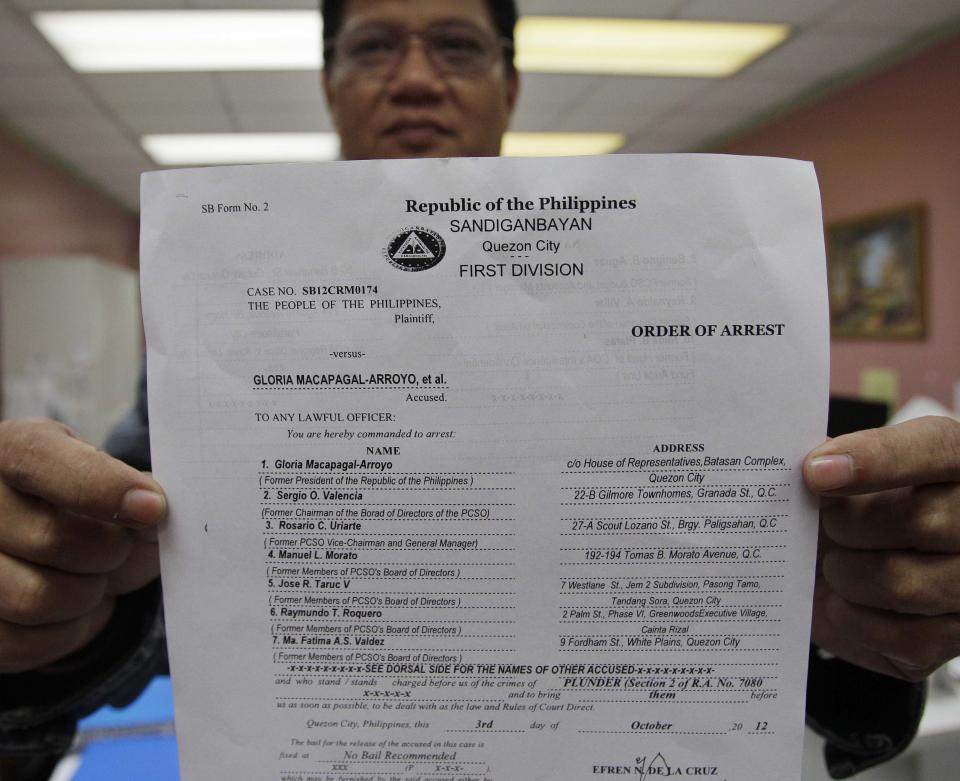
452	49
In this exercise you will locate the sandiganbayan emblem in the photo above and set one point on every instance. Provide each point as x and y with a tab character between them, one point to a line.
416	249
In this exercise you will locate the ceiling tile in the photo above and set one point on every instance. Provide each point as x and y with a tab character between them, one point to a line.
121	182
636	8
818	55
279	121
688	140
535	120
544	98
96	5
639	9
62	110
301	5
21	46
258	89
550	90
903	15
78	138
130	157
787	11
637	95
707	122
608	119
155	119
631	103
752	94
68	132
170	90
43	88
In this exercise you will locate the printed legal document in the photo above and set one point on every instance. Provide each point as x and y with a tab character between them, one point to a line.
487	470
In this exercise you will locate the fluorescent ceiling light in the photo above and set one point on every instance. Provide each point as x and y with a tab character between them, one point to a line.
560	144
156	41
671	47
151	41
236	148
233	148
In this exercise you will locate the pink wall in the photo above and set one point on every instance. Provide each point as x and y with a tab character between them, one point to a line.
44	210
891	140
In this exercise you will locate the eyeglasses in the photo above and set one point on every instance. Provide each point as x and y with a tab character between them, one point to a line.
376	50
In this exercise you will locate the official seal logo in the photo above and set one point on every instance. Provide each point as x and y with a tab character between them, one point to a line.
416	249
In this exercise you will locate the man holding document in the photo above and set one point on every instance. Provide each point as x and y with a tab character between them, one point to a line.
79	595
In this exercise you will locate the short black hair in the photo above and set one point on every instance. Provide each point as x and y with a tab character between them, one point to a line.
504	13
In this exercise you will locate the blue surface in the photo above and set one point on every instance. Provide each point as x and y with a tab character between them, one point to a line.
149	758
155	706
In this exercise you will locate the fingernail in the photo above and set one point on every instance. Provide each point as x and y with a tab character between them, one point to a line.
828	473
143	506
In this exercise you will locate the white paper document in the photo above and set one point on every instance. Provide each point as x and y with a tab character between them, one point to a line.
487	470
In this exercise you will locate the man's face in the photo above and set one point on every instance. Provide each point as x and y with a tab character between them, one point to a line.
414	109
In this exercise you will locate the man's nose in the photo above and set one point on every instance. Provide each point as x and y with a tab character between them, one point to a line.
416	74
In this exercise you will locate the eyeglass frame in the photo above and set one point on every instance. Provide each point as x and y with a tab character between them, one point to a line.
506	54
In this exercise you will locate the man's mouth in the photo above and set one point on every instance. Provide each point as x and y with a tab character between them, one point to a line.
416	132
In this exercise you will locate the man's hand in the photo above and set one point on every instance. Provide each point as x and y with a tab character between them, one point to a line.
77	528
887	593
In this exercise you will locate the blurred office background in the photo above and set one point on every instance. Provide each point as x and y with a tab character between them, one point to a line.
866	89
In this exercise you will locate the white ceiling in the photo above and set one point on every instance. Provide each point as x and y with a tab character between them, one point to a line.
93	122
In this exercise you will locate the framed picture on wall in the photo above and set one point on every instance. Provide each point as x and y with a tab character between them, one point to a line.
875	270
